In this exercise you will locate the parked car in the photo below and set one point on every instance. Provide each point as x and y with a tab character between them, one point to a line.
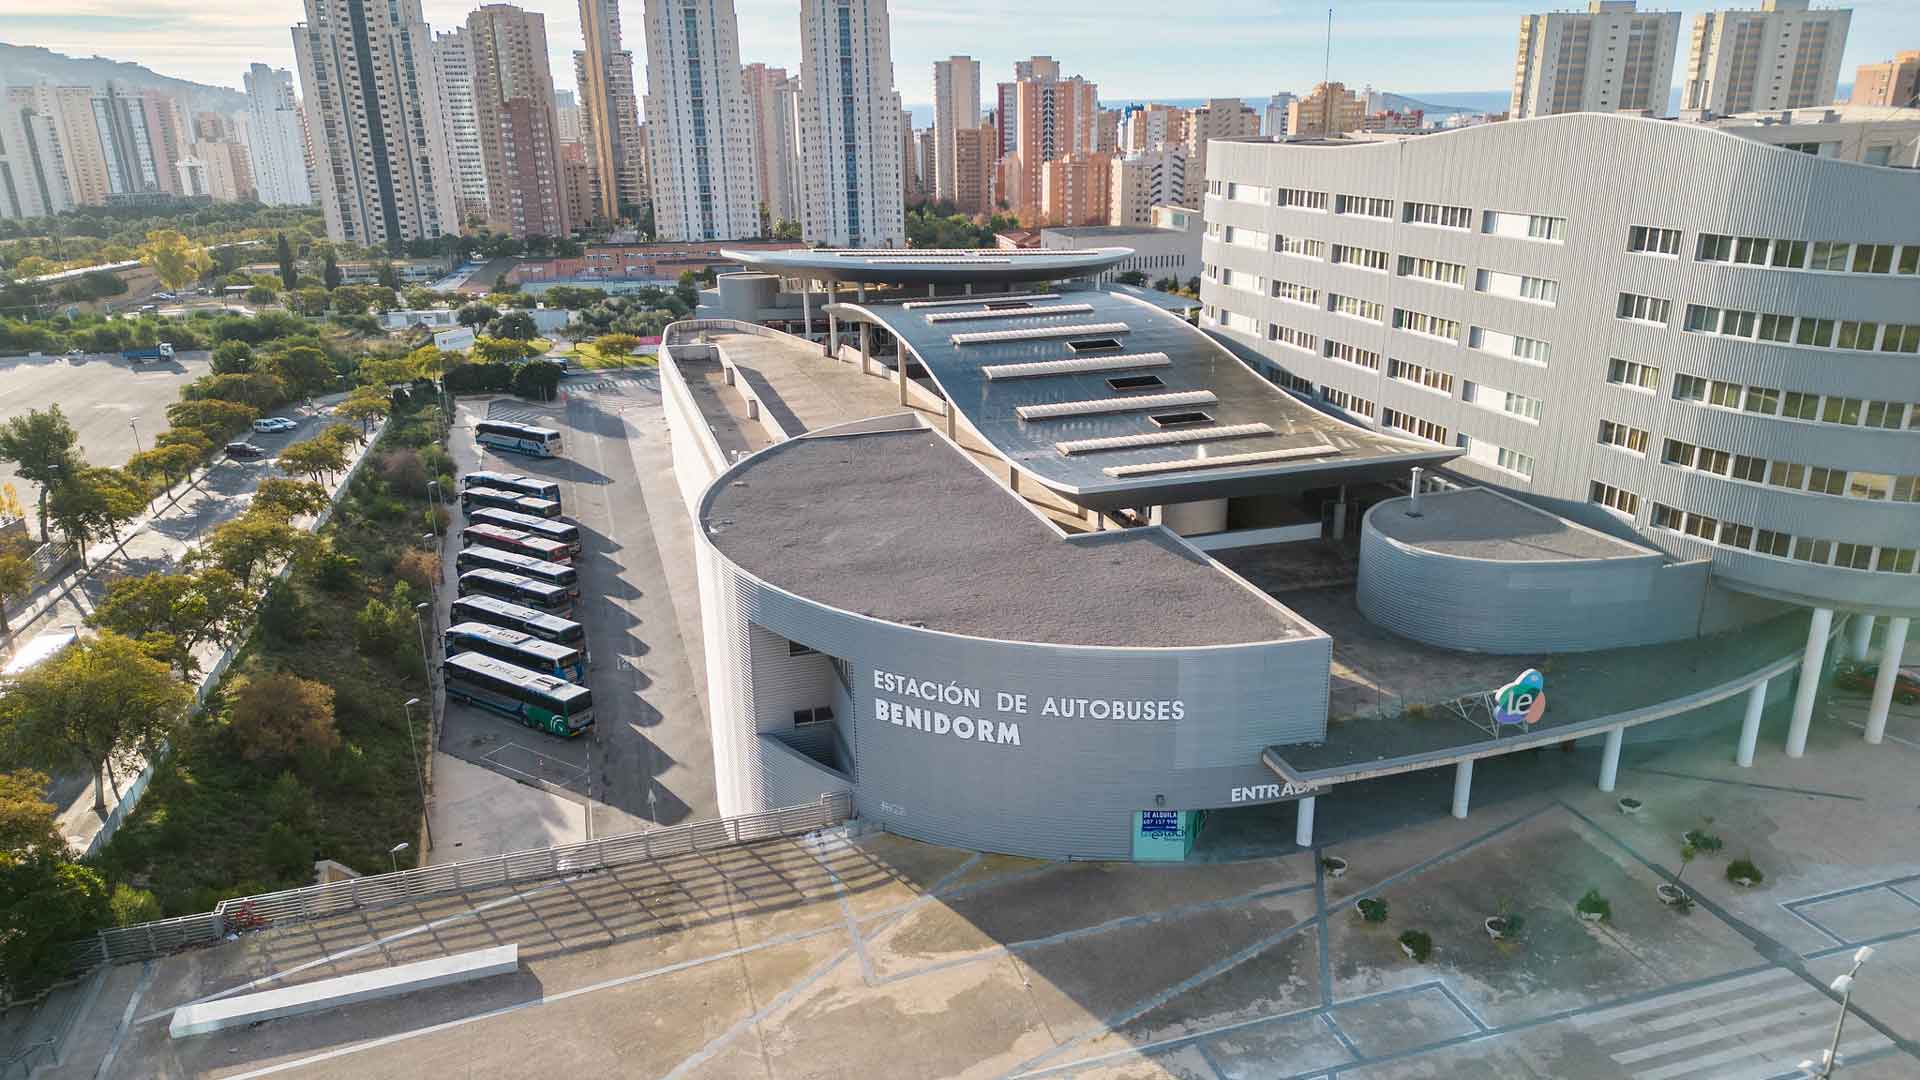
1860	677
244	451
268	425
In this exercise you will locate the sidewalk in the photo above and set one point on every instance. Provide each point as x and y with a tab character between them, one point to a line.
477	812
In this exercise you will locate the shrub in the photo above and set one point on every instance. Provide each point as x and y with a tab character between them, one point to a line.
1373	909
336	572
130	905
1743	872
290	803
420	569
282	615
537	380
405	472
277	716
47	904
1418	944
1702	840
286	851
1593	904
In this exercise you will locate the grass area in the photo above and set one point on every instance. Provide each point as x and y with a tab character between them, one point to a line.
588	356
215	824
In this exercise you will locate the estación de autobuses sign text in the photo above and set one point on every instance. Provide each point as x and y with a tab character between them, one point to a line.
948	708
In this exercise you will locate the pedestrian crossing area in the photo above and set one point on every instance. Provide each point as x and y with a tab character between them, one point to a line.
519	412
1748	1028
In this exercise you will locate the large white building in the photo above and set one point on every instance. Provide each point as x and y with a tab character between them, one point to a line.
453	67
1608	58
1276	114
610	112
700	133
1783	56
956	108
773	96
33	177
274	138
379	141
1143	180
850	156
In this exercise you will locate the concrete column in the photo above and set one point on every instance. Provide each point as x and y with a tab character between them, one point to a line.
861	291
1750	727
806	305
866	348
1809	685
1859	636
1013	480
969	289
1303	830
900	367
1340	515
832	349
930	291
1610	758
1890	654
1462	787
951	432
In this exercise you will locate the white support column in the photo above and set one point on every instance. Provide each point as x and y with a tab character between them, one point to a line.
1750	727
1809	685
1891	652
861	288
1610	758
1859	636
806	305
866	348
1303	829
1462	787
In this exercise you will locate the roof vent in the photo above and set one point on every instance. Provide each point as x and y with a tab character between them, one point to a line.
1136	382
1180	419
1081	345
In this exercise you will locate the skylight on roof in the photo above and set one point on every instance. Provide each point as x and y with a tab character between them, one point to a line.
971	301
1137	403
1162	438
1187	418
1223	461
1017	311
1093	344
1038	333
1077	366
1136	382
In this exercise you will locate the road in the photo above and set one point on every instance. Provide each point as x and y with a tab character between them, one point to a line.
99	395
648	760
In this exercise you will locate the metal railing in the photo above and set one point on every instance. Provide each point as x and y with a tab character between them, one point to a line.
144	941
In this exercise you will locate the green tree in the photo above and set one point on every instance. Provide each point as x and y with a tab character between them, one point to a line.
1131	277
279	715
385	274
41	445
688	289
232	358
493	350
46	904
16	577
316	459
90	502
477	314
283	254
251	543
175	260
304	367
786	229
288	499
101	701
308	301
367	404
259	390
191	609
330	270
26	819
218	419
517	325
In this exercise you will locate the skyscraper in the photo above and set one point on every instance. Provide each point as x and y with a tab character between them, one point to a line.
1607	58
120	124
1783	56
453	68
378	137
33	176
279	159
1219	118
567	108
956	108
610	112
850	159
167	135
700	129
772	98
519	133
1053	118
1896	82
1276	114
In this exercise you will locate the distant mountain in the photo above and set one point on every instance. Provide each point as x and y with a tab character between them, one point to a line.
1471	101
30	63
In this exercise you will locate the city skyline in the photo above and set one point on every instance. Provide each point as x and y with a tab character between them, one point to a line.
214	42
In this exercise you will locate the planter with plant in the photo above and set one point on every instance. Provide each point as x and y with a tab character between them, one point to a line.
1417	945
1701	840
1334	865
1672	894
1743	873
1505	925
1630	805
1593	907
1372	909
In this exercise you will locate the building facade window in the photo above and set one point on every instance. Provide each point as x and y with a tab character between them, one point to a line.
1352	354
1300	246
1632	373
1524	226
1614	433
1420	322
1296	293
1363	257
1517	286
1355	307
1353	403
1294	338
1437	214
1635	307
1301	199
1434	270
1421	376
1413	425
1652	240
1616	499
1364	206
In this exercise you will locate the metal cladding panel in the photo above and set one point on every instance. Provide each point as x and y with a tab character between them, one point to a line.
1489	606
790	778
783	682
1068	787
1604	174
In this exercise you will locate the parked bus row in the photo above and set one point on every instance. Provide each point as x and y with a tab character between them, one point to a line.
512	645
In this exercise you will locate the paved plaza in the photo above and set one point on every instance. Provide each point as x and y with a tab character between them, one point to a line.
871	956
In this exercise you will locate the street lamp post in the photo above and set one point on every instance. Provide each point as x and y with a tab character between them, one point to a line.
393	854
419	777
1830	1057
134	423
419	610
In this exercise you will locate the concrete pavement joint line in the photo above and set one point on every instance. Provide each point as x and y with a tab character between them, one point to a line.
1340	1035
147	973
1763	944
1821	898
1326	929
1154	1001
1218	1072
1803	917
1897	935
1902	894
1889	736
1746	784
1461	1004
1017	947
544	999
706	1053
1845	1059
1432	860
473	912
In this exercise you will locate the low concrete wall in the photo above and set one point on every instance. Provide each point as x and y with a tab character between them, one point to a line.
206	1017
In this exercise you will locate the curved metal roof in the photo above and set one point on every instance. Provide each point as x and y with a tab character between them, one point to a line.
932	266
1113	402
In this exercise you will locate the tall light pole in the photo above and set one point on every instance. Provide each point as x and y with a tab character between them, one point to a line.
393	854
420	610
134	423
1843	986
419	778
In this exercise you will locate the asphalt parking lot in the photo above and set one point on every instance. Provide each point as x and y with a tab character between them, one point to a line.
99	394
648	759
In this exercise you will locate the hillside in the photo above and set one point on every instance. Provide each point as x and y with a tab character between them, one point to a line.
31	63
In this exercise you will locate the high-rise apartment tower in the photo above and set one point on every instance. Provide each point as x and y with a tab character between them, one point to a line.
1608	58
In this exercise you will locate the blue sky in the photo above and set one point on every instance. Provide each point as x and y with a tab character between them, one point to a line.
1132	48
